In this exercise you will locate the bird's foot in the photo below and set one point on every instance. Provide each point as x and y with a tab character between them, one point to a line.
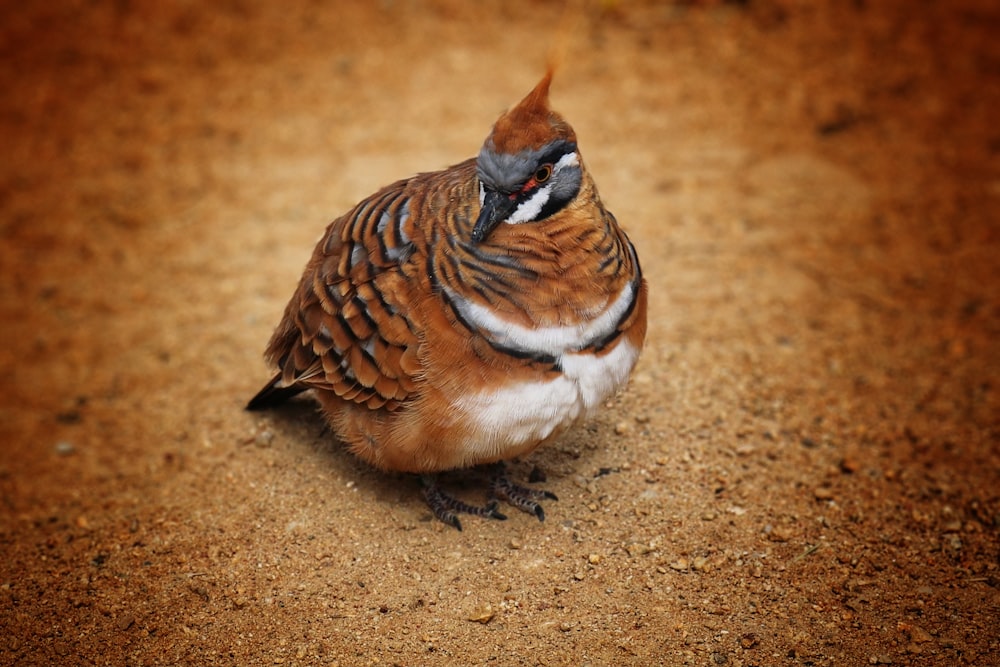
446	508
523	498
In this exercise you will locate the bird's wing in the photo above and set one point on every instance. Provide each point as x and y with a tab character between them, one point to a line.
348	327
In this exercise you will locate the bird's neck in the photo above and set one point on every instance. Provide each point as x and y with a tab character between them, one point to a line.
559	271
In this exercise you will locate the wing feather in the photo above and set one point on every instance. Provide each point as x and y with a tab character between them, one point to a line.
347	329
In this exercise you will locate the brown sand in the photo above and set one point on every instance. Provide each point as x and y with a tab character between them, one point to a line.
803	471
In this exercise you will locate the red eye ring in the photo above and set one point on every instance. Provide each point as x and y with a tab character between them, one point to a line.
543	174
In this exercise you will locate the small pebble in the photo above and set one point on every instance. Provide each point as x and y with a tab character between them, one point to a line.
623	428
585	484
823	493
916	633
264	439
637	549
483	614
680	565
778	533
849	465
64	448
594	559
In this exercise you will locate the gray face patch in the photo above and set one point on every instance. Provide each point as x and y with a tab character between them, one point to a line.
507	173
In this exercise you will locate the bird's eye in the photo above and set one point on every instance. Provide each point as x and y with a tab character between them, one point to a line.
543	174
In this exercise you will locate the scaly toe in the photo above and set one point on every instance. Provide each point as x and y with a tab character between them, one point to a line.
539	512
493	512
446	508
522	497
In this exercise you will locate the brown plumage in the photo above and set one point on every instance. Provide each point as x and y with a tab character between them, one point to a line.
466	316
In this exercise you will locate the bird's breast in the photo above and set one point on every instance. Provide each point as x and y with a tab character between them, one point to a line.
544	341
512	418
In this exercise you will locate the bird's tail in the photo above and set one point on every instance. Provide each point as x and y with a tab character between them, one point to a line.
273	394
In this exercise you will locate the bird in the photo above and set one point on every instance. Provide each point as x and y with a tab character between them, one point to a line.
461	318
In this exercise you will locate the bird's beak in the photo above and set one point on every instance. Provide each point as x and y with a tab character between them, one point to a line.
496	208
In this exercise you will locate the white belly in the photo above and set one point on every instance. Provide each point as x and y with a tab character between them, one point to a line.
519	415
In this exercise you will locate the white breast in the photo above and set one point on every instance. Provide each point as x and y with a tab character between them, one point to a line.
518	415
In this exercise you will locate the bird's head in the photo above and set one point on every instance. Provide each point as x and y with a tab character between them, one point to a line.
529	166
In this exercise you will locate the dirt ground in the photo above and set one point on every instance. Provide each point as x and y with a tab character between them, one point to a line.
804	470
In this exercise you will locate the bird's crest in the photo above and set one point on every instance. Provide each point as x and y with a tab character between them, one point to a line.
531	124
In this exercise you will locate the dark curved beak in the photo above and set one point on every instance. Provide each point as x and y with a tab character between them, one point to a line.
496	208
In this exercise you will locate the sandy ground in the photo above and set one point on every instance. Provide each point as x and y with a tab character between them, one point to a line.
805	469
